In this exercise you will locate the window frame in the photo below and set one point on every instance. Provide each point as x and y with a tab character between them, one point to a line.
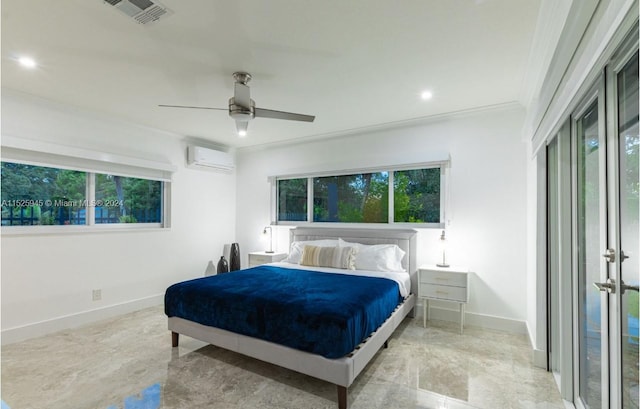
91	162
444	166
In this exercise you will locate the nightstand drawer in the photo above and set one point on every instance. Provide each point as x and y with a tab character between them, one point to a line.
443	278
258	257
443	292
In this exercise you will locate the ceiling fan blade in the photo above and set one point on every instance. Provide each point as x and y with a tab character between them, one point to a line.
241	95
192	107
269	113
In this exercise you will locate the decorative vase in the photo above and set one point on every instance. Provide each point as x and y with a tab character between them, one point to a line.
234	258
223	266
210	270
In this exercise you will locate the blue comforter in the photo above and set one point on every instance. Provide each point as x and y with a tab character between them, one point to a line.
322	313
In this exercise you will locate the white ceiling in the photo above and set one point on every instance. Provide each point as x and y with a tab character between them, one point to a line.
354	64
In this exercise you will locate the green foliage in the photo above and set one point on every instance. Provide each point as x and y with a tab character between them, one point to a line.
58	196
37	188
349	213
416	196
376	203
127	219
129	195
632	303
70	186
25	182
360	198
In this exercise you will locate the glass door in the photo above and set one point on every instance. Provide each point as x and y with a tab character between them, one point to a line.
607	191
591	239
628	142
593	232
560	288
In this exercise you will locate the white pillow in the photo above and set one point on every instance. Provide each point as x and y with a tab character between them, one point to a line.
295	252
377	257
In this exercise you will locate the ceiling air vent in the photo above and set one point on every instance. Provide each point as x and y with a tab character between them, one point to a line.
143	11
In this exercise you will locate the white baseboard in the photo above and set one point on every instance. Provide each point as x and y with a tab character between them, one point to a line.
540	358
41	328
478	320
37	329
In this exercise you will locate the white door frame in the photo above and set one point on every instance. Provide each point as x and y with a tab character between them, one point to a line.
595	94
620	59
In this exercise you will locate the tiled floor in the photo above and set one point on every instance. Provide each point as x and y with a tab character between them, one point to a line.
128	363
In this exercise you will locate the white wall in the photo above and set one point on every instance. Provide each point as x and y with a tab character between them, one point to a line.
487	211
47	280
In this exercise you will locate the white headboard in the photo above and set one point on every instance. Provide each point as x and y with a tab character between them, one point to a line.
404	238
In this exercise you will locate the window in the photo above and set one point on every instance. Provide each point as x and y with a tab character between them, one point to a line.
359	198
292	200
416	196
127	200
37	195
43	196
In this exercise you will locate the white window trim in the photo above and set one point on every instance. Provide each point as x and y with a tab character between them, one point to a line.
18	150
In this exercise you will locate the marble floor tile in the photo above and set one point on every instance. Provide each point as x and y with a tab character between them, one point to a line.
128	363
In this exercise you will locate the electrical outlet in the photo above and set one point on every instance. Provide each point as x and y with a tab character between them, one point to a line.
97	295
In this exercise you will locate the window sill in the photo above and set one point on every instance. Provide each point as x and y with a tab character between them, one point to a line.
364	225
9	231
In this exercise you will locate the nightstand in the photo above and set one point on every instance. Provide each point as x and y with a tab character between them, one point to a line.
443	284
262	257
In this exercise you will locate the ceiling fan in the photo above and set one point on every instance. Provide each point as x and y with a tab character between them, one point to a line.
243	109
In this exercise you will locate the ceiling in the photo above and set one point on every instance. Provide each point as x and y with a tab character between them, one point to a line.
354	64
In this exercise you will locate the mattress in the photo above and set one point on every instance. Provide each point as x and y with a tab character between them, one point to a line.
313	311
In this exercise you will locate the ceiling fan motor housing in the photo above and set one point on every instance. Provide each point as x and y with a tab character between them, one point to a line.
240	113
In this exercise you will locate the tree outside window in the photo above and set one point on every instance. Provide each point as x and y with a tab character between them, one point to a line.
38	196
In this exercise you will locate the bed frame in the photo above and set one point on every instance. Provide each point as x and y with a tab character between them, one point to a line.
343	371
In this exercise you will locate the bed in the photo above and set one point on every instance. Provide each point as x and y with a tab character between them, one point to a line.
190	309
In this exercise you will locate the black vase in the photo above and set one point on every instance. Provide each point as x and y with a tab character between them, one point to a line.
223	266
234	257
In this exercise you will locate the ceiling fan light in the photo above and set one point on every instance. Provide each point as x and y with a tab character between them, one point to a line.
242	128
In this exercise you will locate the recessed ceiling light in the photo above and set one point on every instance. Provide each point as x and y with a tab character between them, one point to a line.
27	62
242	133
426	95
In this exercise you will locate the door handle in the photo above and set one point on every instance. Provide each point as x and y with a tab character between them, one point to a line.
609	286
623	256
624	287
610	255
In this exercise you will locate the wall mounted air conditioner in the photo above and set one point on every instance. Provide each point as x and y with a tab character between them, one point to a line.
205	158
